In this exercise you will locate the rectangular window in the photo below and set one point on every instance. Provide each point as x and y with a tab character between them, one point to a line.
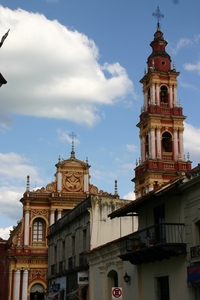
55	254
162	288
73	245
63	250
84	239
159	219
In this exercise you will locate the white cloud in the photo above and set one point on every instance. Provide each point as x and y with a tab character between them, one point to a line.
192	142
128	167
192	67
16	167
182	43
129	196
188	85
131	148
4	232
53	72
11	207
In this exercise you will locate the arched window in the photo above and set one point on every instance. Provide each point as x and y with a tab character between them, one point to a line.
38	230
112	281
163	94
166	142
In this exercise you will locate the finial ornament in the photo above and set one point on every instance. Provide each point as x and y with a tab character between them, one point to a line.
72	135
158	16
28	184
116	189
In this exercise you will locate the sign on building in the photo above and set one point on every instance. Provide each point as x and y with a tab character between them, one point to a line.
117	293
83	278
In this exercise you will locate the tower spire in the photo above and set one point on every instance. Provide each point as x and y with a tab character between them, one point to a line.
158	15
72	135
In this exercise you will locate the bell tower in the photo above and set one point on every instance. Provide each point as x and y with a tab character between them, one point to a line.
161	121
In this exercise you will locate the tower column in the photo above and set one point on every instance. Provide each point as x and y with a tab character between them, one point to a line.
158	143
153	94
59	214
170	96
181	145
175	145
175	96
26	227
52	217
25	284
86	182
16	293
142	149
157	94
59	182
149	144
145	101
152	143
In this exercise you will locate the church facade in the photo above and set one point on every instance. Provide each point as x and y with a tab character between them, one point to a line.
25	254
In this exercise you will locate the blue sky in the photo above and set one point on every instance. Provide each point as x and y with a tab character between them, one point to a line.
75	66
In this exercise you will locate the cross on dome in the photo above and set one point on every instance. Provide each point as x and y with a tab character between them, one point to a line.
158	16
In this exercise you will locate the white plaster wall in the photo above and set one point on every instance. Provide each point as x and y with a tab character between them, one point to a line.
175	268
104	261
103	229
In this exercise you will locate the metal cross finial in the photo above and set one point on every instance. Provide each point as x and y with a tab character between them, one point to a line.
158	16
72	135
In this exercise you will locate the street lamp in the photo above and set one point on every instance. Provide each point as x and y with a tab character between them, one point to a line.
127	278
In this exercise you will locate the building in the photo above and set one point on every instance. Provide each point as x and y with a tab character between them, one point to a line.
85	227
161	260
25	254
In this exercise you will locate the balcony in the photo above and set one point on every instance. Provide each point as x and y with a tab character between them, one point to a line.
154	243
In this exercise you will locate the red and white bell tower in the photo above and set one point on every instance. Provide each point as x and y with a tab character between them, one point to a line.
161	121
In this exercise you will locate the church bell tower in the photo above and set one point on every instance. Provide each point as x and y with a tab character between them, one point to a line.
161	121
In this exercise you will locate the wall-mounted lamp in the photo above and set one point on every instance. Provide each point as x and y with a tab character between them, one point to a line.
127	278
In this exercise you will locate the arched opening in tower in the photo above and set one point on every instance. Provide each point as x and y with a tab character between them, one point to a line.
166	142
163	95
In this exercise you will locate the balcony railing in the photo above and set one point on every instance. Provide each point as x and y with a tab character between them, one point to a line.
157	242
195	252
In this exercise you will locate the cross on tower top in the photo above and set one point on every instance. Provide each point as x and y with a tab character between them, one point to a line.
72	135
158	16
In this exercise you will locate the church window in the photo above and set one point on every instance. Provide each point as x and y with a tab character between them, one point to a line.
163	95
166	142
38	230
